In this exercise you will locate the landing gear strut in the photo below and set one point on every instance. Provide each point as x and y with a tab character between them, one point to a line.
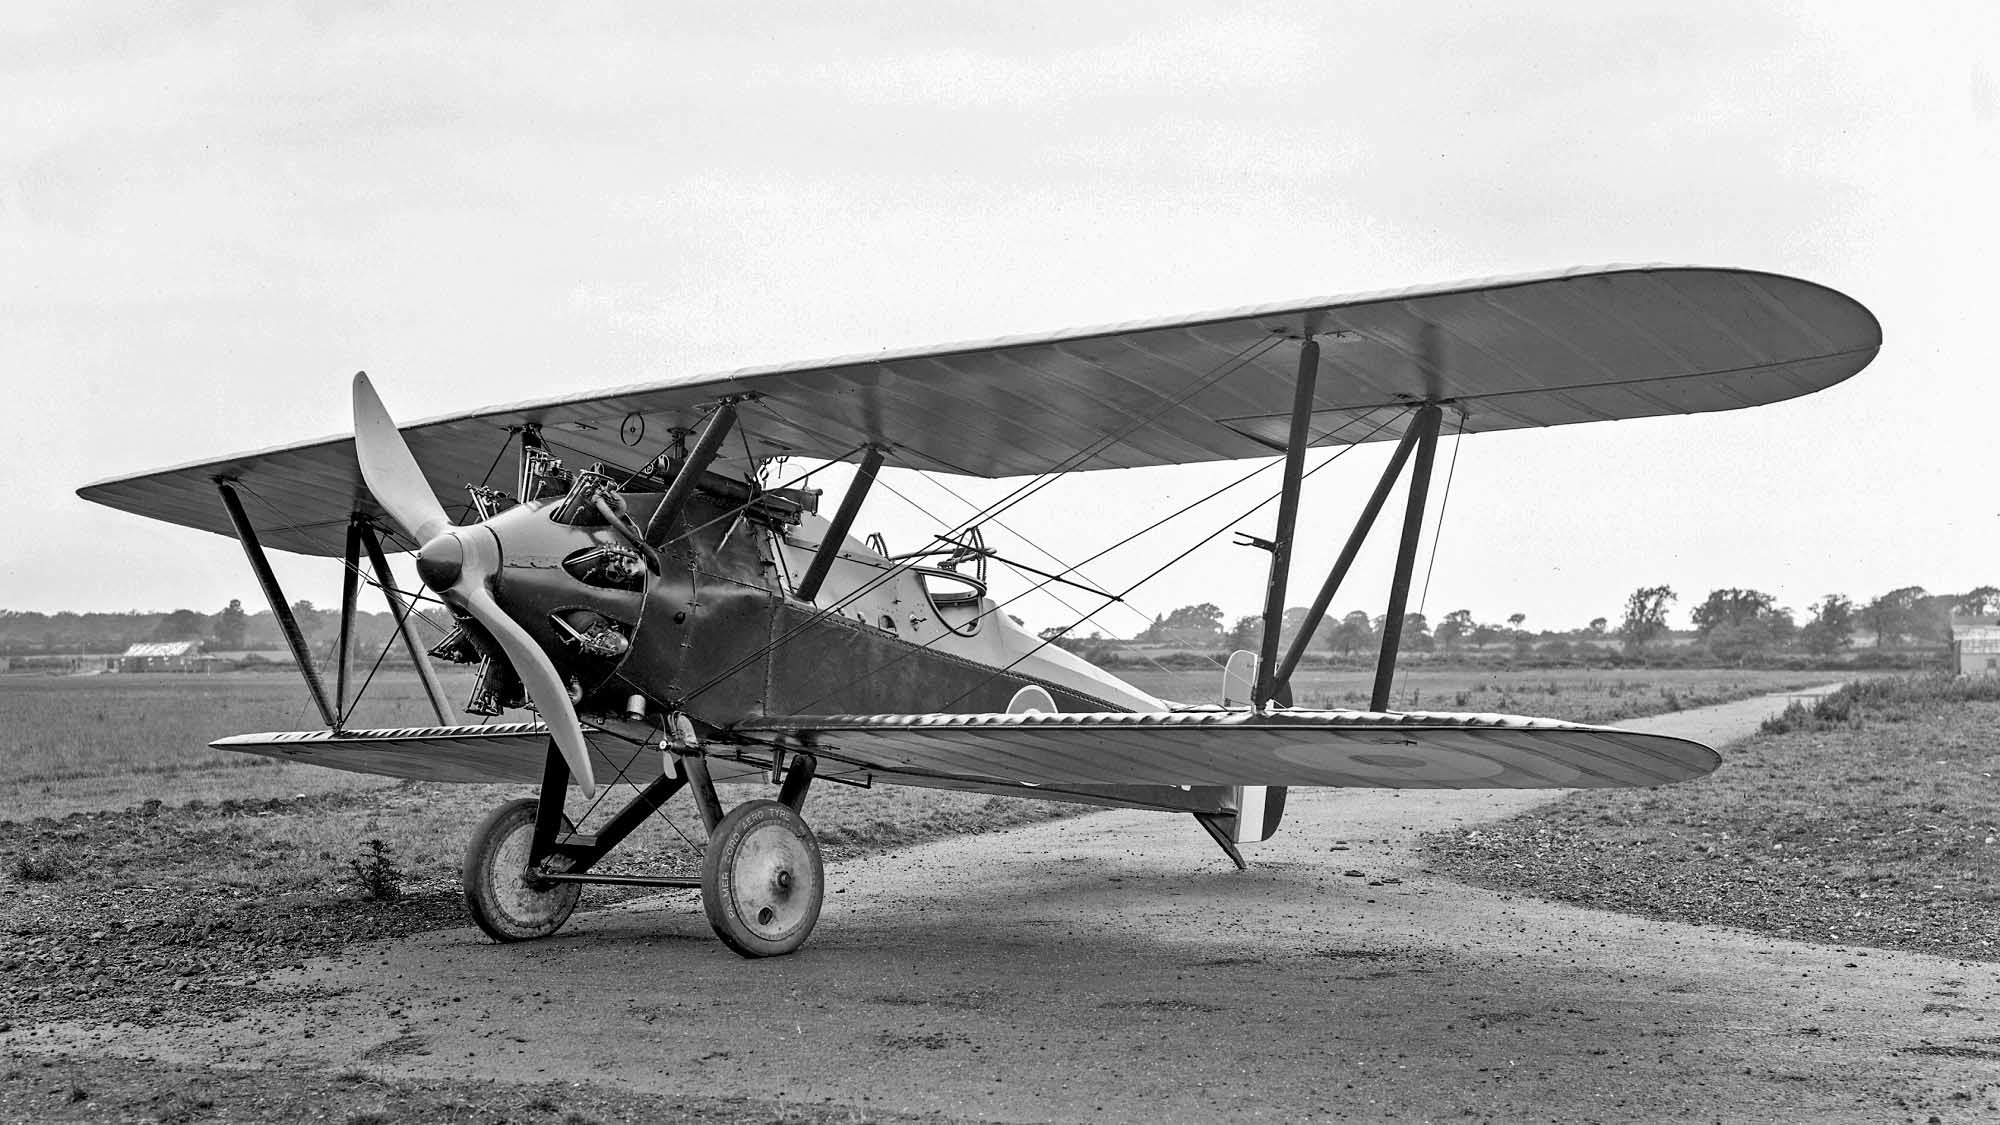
762	879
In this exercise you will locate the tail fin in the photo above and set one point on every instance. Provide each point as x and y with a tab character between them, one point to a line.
1253	815
1259	808
1239	679
1255	810
1239	683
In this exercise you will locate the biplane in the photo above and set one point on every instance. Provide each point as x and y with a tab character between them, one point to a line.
673	618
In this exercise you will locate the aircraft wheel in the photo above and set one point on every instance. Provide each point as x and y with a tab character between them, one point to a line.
506	901
762	879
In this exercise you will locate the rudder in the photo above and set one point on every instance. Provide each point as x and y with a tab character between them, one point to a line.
1259	809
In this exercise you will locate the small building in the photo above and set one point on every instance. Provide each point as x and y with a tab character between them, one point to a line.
162	656
1975	645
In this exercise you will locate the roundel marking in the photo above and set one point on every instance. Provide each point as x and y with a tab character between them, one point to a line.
1493	764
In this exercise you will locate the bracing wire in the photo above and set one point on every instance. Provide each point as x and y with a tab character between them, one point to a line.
465	508
1437	535
395	635
624	774
242	489
1444	502
1244	356
1033	544
731	513
1235	362
416	597
1043	587
1184	509
1249	353
1164	567
998	606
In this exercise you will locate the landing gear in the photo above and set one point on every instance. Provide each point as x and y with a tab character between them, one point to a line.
762	880
504	889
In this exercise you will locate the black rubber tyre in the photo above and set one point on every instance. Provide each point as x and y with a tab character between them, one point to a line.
762	879
505	900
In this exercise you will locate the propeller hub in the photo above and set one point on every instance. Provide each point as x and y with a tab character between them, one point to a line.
441	561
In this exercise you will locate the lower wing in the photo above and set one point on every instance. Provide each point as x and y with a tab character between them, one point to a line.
517	752
1174	760
1201	747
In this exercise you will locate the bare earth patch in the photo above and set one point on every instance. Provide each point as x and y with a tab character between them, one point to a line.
76	1088
155	915
143	931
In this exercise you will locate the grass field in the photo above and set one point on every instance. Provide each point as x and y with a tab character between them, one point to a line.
1577	694
76	743
131	751
1870	819
61	727
82	743
102	744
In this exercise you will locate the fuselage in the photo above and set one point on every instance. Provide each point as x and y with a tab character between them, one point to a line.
719	633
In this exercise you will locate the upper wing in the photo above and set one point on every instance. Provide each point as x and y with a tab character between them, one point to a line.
1355	749
1542	350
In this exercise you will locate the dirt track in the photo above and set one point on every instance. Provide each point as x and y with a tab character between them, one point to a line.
1116	968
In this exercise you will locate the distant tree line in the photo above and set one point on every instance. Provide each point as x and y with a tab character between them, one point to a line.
229	629
1731	625
1735	624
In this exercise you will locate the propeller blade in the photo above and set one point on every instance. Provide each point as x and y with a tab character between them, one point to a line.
391	472
400	487
538	675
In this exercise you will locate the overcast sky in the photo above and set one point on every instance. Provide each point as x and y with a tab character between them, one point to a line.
212	214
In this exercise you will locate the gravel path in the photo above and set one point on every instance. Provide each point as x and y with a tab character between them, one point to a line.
1115	968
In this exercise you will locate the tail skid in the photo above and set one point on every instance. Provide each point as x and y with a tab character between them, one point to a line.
1258	811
